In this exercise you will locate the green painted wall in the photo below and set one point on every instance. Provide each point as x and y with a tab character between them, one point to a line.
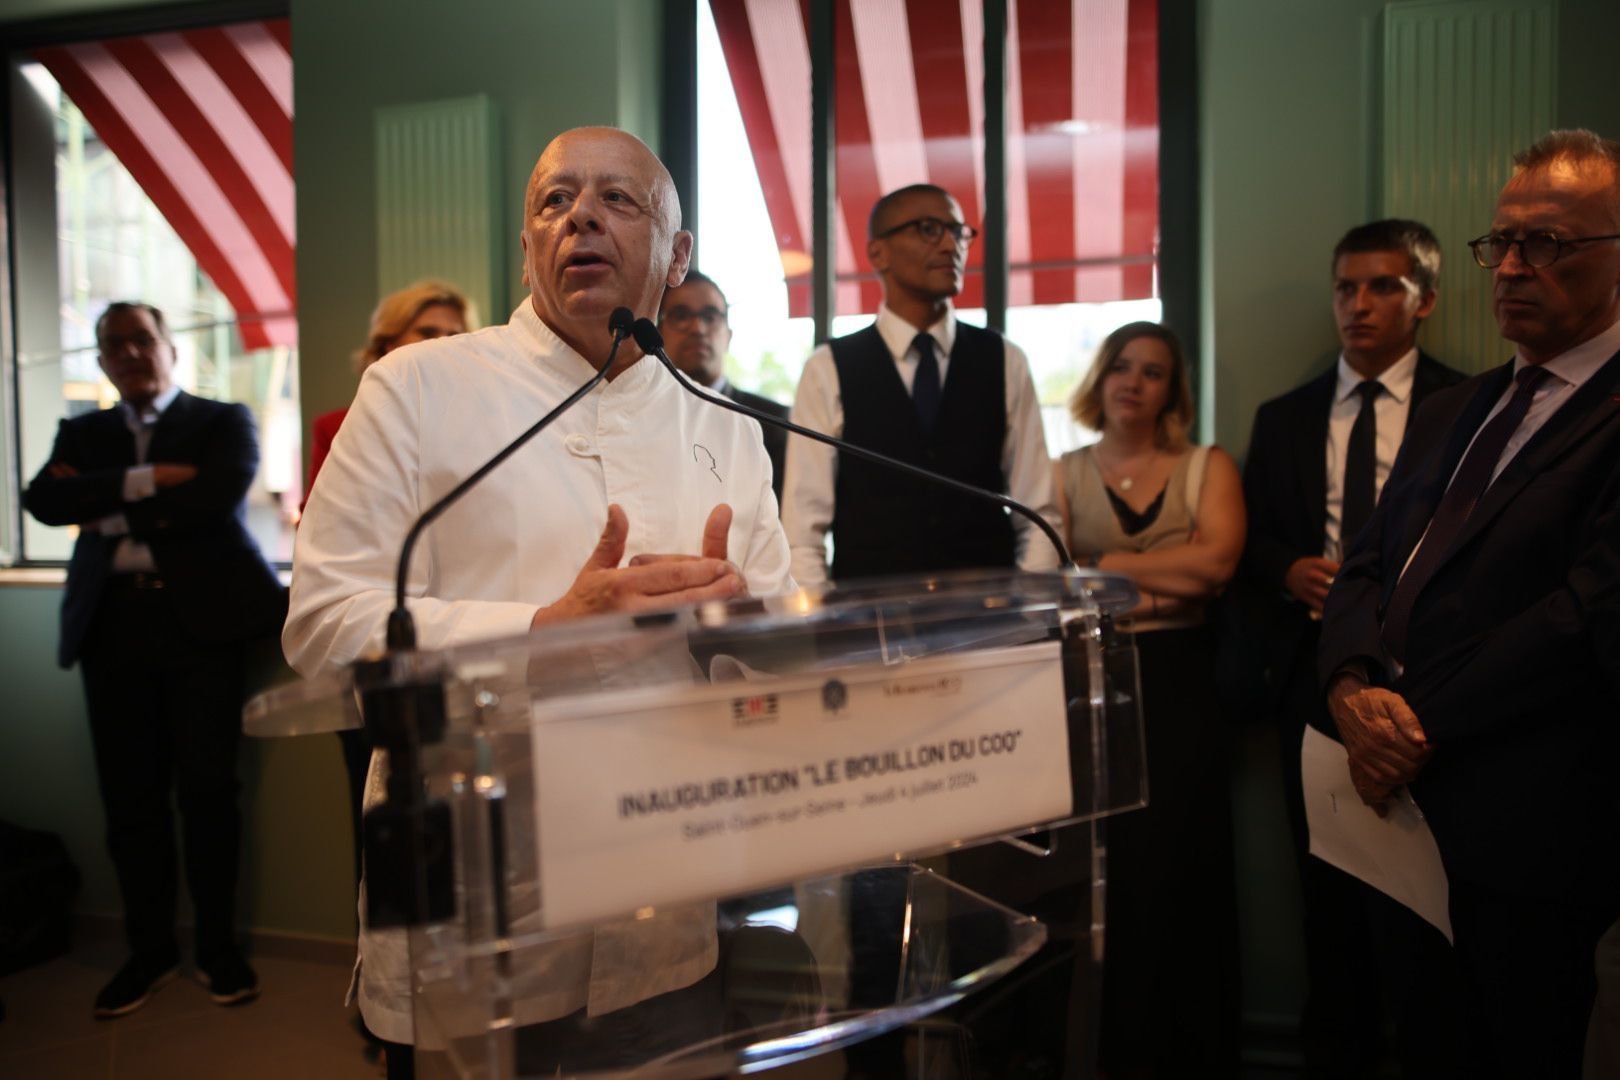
298	870
1290	130
1288	117
548	65
1288	92
1588	75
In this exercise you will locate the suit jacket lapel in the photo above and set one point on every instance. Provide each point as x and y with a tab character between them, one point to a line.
1424	383
1588	408
1310	451
1433	486
116	440
169	423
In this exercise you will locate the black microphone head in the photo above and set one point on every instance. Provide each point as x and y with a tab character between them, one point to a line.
620	321
647	337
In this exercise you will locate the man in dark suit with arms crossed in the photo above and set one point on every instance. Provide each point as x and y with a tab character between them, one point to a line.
164	586
1463	642
1317	458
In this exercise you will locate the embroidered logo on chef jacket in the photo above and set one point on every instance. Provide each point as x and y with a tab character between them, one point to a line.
701	455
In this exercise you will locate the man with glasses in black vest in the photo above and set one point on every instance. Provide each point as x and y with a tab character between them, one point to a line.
1471	641
921	386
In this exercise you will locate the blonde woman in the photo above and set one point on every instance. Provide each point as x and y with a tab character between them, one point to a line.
1143	502
420	312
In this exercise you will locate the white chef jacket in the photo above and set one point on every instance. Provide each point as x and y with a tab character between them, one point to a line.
426	417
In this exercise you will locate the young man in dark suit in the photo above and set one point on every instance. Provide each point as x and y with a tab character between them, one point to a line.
1468	643
1317	459
695	321
164	586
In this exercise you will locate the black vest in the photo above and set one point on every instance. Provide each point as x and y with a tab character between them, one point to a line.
885	522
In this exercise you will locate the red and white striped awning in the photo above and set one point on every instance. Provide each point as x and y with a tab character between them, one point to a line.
1082	113
203	121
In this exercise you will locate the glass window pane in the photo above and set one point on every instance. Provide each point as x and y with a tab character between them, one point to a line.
114	244
757	251
1082	162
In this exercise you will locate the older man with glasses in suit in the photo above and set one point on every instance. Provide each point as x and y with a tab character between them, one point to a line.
1469	643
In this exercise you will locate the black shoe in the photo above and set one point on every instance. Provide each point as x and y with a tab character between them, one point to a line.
135	982
229	980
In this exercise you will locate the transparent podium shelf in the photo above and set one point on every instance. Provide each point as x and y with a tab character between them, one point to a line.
799	971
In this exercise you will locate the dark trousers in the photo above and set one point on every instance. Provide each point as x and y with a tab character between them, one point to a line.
1370	962
356	763
1170	962
165	718
1530	981
1039	1021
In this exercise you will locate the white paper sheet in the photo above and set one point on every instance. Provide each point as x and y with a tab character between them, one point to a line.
1395	854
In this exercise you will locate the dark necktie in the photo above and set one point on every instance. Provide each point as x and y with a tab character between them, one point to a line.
1470	482
1360	466
925	387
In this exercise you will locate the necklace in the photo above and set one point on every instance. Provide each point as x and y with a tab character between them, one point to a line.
1110	473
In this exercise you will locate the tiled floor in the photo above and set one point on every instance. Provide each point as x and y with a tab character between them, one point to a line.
298	1028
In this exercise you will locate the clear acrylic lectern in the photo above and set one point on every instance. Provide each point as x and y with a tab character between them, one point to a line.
728	839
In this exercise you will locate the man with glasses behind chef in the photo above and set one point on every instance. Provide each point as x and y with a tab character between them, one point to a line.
695	320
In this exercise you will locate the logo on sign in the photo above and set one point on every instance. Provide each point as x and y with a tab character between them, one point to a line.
748	711
834	696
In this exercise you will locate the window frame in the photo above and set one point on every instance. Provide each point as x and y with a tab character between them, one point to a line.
1179	271
22	37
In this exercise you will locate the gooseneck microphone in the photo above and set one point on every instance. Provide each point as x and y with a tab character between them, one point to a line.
409	839
401	627
652	343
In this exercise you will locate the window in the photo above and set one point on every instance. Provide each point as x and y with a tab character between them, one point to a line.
143	173
1081	160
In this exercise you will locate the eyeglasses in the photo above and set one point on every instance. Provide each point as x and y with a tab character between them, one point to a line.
1537	249
681	315
140	339
932	228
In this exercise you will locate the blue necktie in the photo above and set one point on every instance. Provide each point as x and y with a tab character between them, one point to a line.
925	387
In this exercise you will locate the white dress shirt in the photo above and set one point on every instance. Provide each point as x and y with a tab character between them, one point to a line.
131	555
1569	370
1391	409
812	467
426	417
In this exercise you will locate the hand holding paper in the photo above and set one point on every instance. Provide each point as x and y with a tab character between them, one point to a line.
1392	850
1385	741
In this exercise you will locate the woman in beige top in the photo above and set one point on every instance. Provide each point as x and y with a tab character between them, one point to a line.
1144	503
